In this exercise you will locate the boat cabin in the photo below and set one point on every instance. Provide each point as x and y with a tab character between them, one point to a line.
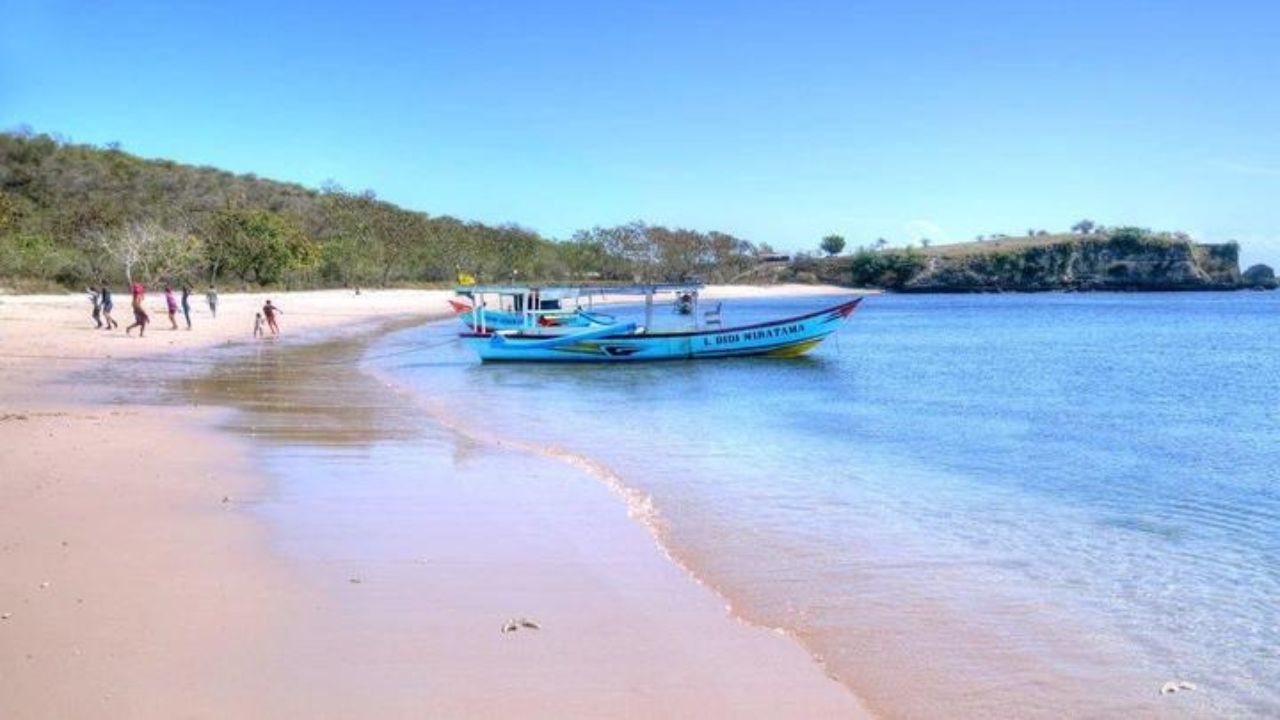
542	309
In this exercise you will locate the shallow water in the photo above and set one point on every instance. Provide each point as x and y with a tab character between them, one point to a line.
1001	505
417	540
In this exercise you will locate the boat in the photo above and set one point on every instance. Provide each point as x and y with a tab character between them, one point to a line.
547	302
633	342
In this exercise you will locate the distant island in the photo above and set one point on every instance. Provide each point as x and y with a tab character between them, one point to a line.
76	215
1091	258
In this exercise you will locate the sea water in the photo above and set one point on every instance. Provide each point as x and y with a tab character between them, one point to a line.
988	504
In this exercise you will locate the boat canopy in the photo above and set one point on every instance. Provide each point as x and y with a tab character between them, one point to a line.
531	301
573	291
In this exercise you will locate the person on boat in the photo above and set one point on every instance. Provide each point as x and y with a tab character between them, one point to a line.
171	303
269	312
108	304
211	297
140	317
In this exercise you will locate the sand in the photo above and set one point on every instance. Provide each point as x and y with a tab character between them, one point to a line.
138	580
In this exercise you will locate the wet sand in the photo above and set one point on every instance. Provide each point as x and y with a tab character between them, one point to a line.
364	561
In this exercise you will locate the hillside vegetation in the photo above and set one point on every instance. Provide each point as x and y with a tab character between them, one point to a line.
74	215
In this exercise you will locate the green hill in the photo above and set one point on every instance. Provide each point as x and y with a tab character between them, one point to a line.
74	215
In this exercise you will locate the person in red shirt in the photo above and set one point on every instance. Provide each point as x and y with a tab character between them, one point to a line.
140	317
269	312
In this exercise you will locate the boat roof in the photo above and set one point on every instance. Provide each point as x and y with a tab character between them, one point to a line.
551	291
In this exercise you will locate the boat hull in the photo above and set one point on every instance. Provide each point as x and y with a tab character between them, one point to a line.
789	337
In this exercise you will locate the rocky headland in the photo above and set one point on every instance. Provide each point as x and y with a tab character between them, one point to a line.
1126	259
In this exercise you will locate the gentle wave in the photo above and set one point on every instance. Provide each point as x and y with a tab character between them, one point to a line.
1060	502
640	507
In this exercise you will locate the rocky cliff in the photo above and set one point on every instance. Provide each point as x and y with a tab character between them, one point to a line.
1124	260
1153	263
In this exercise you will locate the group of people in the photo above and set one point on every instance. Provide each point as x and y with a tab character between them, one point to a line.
103	304
269	314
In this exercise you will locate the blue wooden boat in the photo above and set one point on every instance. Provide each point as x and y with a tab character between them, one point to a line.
631	342
504	320
526	306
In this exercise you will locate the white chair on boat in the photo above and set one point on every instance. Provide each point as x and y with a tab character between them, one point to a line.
712	316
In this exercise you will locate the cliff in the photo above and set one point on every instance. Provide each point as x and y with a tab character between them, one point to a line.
1126	259
1087	263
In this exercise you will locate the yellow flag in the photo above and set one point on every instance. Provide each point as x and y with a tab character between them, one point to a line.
466	279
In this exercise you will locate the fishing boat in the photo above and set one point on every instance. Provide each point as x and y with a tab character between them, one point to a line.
533	341
549	304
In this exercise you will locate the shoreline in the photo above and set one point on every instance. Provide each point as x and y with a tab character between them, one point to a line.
256	585
132	573
881	660
641	510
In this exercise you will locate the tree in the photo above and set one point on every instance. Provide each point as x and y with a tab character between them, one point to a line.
132	248
1129	237
259	244
584	257
890	269
177	256
1084	227
346	227
881	244
832	245
397	233
925	242
75	213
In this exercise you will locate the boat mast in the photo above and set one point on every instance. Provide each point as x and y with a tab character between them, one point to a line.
477	317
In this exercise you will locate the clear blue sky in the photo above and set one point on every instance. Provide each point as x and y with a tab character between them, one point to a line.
779	122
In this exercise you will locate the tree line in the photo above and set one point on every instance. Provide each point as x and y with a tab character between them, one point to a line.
76	215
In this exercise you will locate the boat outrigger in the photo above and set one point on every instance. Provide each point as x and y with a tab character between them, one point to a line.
595	340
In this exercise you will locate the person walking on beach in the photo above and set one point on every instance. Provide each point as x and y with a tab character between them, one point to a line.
257	325
140	317
96	299
171	303
269	312
211	297
107	306
186	304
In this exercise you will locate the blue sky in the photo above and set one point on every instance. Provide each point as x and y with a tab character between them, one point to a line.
779	122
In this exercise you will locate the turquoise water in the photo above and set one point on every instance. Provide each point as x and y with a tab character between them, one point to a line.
994	504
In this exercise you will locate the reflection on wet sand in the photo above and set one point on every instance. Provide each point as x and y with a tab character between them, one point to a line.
417	544
313	394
